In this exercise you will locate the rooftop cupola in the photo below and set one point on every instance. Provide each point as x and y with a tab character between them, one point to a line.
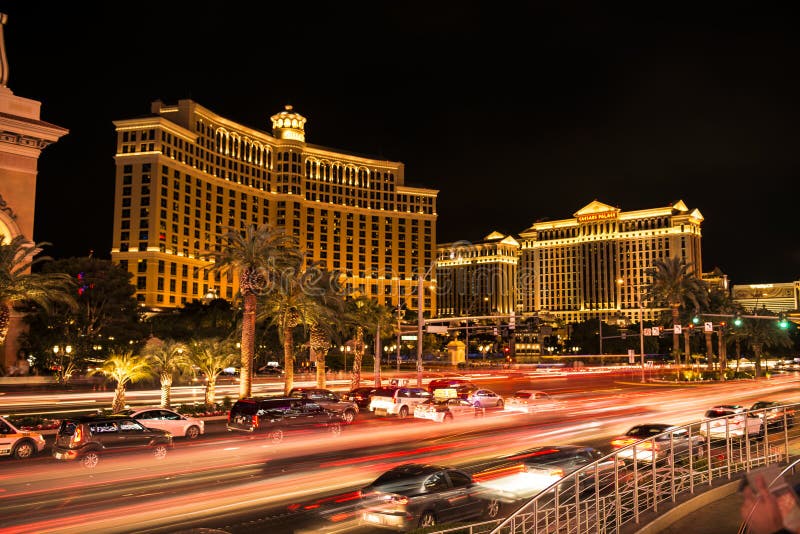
289	124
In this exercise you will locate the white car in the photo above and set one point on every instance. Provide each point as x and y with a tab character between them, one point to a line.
485	398
444	410
19	443
730	421
529	401
178	425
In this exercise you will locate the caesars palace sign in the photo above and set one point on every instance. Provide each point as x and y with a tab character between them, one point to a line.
599	216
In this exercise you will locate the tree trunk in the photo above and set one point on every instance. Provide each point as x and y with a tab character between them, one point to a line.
723	354
738	353
377	359
5	315
687	347
288	360
358	356
676	343
166	385
757	356
248	345
709	349
118	404
319	357
211	391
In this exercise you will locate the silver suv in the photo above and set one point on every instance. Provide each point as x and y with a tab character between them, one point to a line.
328	399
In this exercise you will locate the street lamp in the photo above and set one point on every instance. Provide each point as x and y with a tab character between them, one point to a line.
61	371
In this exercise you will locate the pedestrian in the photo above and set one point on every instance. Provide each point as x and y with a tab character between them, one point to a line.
764	513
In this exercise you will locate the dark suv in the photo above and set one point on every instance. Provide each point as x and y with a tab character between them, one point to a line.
328	399
87	437
275	415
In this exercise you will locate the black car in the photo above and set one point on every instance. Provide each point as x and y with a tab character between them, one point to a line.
329	400
412	496
274	416
86	438
360	396
774	413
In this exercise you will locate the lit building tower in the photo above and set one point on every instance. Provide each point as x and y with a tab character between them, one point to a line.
23	136
594	264
477	278
185	175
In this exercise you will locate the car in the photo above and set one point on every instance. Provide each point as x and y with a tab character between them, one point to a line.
730	421
178	425
659	440
18	443
462	385
360	396
88	437
485	398
270	370
445	410
416	496
397	401
328	399
274	416
523	474
529	401
774	413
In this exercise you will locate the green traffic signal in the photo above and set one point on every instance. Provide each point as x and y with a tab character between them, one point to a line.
696	319
783	323
737	320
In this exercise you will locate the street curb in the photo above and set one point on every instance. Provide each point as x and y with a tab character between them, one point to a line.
683	509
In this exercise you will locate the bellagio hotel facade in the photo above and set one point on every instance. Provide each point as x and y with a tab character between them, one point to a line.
594	264
185	176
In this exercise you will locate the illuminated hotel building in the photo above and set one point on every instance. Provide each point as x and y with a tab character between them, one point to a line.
185	176
477	278
593	265
777	298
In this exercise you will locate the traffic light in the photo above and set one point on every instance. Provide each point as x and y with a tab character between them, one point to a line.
696	319
783	323
737	320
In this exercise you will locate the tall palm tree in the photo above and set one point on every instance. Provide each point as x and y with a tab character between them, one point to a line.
673	282
124	368
257	255
167	359
764	333
18	284
211	356
292	302
365	315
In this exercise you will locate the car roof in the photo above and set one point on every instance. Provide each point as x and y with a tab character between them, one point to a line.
96	417
414	469
544	450
648	427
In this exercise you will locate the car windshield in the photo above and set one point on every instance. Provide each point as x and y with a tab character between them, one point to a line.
523	395
644	431
763	404
711	414
67	428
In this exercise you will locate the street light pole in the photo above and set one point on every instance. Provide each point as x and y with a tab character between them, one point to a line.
420	321
641	332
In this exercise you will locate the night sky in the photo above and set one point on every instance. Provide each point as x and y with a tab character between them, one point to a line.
514	114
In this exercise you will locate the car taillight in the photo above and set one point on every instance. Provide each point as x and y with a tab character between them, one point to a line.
77	436
394	400
621	442
255	421
557	472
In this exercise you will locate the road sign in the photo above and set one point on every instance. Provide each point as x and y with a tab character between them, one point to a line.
409	337
656	330
708	326
631	356
648	331
677	329
436	329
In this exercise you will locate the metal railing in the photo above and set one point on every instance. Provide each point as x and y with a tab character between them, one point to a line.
627	488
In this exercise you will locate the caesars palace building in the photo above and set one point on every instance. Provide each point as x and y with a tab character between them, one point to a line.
185	176
591	265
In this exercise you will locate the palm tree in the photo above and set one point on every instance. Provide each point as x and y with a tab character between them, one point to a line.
674	282
211	356
167	358
763	333
257	255
291	302
124	368
18	284
365	314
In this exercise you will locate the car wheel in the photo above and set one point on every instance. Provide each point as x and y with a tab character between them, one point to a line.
24	449
478	405
349	416
160	451
427	519
448	418
90	459
275	436
500	404
492	509
403	412
192	432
